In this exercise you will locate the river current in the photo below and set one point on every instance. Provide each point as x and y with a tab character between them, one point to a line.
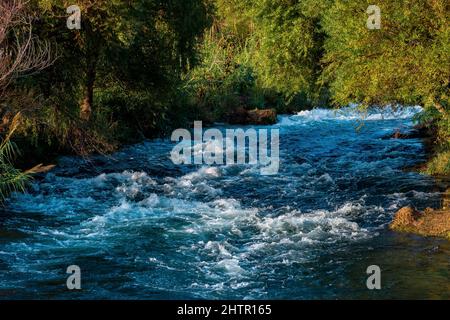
140	227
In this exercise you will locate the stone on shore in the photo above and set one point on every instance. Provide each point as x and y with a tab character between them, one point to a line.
427	223
253	117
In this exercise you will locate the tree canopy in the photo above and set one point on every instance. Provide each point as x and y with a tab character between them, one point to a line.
407	61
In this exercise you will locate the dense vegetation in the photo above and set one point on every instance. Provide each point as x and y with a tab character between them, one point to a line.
139	68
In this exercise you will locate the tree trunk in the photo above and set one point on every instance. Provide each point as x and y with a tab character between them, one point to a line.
88	99
92	52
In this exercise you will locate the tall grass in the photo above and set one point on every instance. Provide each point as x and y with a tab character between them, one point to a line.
11	178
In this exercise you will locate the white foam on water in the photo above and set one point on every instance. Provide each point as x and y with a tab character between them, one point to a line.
319	225
350	113
221	240
202	173
194	183
231	266
224	216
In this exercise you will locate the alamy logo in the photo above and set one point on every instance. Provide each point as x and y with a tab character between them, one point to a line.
213	147
374	280
74	21
374	19
74	280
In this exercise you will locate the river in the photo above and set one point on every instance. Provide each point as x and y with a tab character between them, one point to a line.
140	227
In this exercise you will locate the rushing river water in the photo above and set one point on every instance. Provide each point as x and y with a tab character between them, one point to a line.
141	227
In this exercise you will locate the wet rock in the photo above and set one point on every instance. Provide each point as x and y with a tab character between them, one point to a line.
255	117
264	117
430	222
419	131
11	235
414	134
238	116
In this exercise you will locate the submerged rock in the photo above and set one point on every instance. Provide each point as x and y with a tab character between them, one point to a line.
255	117
430	222
419	131
407	135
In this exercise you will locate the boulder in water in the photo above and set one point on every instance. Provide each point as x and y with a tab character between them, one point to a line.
263	117
255	117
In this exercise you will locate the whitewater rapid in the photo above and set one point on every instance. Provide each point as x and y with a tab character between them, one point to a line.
141	227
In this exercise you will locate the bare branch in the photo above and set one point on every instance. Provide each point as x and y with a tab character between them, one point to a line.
21	52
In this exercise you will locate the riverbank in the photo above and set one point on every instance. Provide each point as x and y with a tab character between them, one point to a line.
430	222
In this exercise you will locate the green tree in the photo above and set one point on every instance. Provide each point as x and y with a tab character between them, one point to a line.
404	62
103	23
125	41
288	44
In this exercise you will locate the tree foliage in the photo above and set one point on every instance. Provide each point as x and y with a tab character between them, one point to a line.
405	62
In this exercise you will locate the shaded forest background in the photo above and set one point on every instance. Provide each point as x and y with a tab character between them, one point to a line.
138	69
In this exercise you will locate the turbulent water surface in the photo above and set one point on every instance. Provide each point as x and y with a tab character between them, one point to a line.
141	227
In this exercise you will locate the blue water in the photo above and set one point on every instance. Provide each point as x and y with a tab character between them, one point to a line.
141	227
